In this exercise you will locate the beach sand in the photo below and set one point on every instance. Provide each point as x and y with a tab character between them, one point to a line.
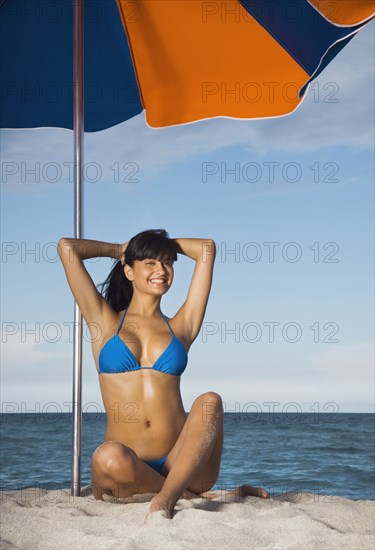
36	518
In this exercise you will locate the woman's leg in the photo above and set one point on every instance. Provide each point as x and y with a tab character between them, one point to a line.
194	461
117	471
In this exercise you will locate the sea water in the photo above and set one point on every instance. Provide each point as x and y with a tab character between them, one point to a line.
325	454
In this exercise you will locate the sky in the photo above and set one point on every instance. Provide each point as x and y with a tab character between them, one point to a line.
289	202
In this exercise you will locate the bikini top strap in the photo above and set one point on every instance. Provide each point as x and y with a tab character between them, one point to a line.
122	320
166	320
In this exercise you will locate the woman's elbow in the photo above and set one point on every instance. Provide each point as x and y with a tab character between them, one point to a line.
63	245
209	250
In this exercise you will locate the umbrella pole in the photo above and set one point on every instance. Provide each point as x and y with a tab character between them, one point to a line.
78	126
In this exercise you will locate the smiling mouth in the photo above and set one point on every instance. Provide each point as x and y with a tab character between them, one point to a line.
158	281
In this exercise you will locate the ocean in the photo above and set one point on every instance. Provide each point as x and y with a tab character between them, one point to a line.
325	454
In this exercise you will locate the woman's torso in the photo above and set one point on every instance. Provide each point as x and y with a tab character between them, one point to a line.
143	405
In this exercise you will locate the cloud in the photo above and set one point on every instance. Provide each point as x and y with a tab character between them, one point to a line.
28	362
345	363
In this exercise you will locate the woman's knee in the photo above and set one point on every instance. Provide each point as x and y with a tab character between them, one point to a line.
210	397
112	458
210	404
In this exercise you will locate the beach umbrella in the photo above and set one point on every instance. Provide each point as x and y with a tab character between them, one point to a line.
180	60
90	65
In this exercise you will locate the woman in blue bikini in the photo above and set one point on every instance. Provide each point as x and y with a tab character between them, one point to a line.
151	445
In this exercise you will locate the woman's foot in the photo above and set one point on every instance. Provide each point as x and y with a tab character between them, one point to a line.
161	504
249	490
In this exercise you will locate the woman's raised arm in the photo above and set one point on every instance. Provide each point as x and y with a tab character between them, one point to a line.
72	252
190	315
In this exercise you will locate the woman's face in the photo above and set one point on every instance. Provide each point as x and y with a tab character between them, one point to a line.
150	275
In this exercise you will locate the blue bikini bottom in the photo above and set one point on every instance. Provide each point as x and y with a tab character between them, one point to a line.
157	464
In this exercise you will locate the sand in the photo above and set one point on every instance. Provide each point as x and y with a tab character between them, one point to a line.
36	518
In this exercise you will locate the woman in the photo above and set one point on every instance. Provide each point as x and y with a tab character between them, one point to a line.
150	444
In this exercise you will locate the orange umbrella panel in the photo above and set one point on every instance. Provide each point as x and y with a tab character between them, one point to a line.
248	59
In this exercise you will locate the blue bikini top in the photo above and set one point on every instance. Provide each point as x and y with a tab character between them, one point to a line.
115	356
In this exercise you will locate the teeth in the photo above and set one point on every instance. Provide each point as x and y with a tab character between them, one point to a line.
158	280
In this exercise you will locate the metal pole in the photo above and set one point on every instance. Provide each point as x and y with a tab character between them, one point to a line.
78	125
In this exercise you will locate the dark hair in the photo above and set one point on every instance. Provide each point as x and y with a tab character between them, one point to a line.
151	244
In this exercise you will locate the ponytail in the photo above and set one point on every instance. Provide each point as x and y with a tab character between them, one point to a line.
117	289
